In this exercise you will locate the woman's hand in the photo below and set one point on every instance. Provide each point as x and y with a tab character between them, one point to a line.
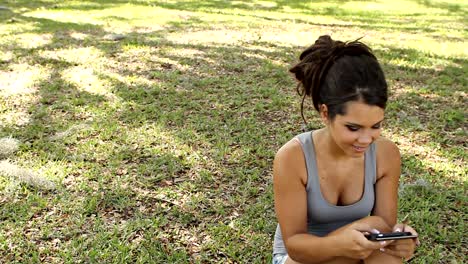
354	244
403	248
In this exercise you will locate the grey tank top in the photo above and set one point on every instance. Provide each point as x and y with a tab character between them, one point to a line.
323	217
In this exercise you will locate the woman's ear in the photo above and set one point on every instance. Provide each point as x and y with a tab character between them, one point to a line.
324	113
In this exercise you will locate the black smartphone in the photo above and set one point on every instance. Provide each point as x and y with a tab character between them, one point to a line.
390	236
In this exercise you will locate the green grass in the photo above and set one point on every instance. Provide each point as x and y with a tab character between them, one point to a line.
161	144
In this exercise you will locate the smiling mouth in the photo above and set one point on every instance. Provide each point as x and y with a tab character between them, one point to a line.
359	149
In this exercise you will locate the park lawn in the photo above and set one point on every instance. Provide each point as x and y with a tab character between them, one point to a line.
160	144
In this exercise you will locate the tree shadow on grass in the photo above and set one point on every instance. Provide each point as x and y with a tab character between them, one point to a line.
362	19
180	5
435	210
451	8
227	106
188	82
219	117
427	93
62	105
430	76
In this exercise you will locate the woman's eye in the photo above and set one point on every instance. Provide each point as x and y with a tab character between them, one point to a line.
352	128
377	126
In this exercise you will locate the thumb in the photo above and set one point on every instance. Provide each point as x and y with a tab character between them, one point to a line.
399	228
364	227
369	244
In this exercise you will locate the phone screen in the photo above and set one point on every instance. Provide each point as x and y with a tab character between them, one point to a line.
390	236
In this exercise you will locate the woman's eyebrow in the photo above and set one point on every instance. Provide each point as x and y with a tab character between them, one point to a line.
357	125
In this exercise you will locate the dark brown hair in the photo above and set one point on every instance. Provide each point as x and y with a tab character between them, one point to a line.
335	72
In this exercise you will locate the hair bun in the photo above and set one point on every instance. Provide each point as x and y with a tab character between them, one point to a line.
312	60
316	60
314	52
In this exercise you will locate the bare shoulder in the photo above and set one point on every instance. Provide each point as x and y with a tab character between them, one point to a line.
291	148
388	156
288	159
387	148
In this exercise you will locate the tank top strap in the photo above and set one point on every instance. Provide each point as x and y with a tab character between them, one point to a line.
371	165
309	155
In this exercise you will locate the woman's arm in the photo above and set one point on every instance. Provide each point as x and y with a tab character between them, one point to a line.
386	189
289	180
386	186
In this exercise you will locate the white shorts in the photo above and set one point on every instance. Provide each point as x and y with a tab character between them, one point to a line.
279	258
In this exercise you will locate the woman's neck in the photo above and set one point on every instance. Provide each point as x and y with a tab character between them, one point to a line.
327	145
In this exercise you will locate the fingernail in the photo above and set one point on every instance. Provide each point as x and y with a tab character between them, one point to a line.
375	231
397	230
383	243
382	249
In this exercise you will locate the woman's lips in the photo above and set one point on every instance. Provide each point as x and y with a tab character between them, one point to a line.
359	149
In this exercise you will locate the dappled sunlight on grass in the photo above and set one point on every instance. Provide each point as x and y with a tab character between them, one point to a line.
15	118
79	55
64	16
187	52
84	79
20	79
55	171
149	55
431	45
32	41
208	36
413	64
113	17
161	140
6	56
129	81
264	4
386	7
435	163
13	28
18	91
79	35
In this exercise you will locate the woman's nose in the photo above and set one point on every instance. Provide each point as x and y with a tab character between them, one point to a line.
365	139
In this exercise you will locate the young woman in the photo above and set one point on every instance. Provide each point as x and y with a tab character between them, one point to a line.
333	185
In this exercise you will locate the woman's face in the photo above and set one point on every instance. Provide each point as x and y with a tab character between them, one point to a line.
358	128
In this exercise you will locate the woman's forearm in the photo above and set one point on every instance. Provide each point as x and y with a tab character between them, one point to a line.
376	222
305	248
309	249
